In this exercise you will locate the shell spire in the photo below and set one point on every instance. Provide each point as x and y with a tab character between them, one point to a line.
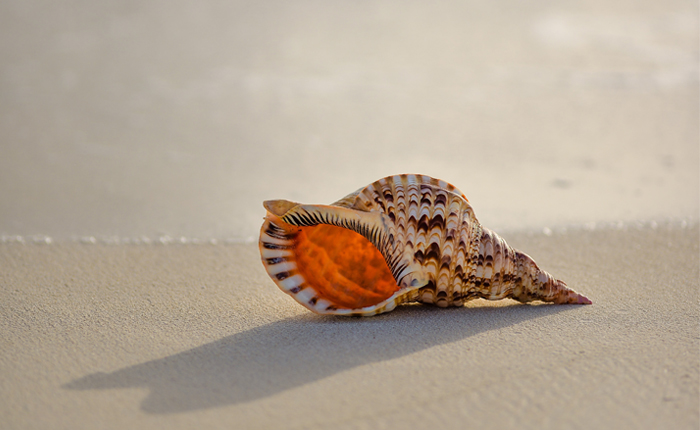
404	238
503	272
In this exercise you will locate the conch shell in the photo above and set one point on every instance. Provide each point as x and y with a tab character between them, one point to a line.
404	238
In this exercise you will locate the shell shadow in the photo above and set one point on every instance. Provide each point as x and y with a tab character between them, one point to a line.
266	360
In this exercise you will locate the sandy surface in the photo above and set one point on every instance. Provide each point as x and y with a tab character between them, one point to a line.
185	336
162	118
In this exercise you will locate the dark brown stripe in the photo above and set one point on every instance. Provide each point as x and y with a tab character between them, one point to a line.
268	245
275	260
433	251
282	276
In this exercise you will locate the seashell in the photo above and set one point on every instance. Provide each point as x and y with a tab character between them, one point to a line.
402	239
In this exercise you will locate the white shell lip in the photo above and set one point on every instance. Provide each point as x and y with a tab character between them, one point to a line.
380	308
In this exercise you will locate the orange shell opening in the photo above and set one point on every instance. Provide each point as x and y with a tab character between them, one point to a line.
343	267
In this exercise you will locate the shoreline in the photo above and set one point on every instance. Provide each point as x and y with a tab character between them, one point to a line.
165	239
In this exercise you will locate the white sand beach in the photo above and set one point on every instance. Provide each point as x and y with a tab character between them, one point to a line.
178	336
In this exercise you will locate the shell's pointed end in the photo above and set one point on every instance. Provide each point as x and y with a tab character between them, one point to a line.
567	296
583	300
279	207
573	298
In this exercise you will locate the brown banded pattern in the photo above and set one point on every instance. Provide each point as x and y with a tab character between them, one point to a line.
433	249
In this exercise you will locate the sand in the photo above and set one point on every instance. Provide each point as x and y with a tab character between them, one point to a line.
180	119
178	336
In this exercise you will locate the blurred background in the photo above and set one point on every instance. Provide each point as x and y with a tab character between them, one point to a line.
151	118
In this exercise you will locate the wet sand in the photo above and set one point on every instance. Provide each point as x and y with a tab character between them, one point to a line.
177	336
179	120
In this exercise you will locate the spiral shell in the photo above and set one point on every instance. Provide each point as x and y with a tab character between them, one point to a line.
404	238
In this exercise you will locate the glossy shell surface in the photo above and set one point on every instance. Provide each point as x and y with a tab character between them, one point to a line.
403	238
